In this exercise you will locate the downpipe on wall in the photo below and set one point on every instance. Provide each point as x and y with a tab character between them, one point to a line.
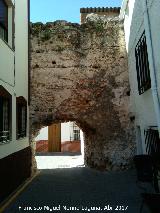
151	62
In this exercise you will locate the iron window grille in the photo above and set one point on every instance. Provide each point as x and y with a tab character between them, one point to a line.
5	107
76	133
152	142
3	20
142	65
21	117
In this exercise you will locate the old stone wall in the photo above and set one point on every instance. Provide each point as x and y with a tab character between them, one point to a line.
79	73
101	11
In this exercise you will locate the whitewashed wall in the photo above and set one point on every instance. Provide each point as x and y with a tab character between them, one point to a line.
43	134
66	132
17	86
141	105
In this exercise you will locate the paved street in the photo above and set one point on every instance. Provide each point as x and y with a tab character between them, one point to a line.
59	160
78	189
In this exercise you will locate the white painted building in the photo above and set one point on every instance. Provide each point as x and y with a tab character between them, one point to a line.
66	132
142	28
14	135
69	132
43	134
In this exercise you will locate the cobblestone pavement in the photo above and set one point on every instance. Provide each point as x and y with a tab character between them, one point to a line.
62	187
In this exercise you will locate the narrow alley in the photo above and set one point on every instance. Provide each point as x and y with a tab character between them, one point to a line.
77	189
79	106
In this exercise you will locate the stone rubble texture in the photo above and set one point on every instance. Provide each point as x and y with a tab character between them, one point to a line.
100	18
80	73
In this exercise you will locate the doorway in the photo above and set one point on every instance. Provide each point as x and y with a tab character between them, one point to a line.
60	137
60	145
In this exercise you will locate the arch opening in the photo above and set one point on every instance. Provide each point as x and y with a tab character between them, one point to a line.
59	145
80	73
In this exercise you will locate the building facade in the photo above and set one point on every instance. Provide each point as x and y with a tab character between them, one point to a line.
142	27
65	135
15	153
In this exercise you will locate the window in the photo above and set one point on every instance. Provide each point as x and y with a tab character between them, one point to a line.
142	65
5	116
3	20
21	117
139	141
75	135
152	142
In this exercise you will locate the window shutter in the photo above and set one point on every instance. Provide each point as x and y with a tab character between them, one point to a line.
19	117
1	114
3	14
25	120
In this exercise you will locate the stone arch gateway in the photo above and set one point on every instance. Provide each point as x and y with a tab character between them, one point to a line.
79	73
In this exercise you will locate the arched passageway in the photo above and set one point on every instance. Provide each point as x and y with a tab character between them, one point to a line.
79	73
60	145
61	137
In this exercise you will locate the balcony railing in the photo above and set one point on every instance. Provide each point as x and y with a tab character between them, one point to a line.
4	137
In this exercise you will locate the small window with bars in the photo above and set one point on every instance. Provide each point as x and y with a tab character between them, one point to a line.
5	116
142	65
75	132
3	20
21	117
152	142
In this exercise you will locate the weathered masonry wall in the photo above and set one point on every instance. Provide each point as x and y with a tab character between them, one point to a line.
79	73
102	11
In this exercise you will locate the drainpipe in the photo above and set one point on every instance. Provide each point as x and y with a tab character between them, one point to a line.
151	63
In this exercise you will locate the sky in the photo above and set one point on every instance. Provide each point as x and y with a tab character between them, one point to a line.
69	10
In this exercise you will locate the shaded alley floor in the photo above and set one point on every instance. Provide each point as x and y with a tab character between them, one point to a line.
78	189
